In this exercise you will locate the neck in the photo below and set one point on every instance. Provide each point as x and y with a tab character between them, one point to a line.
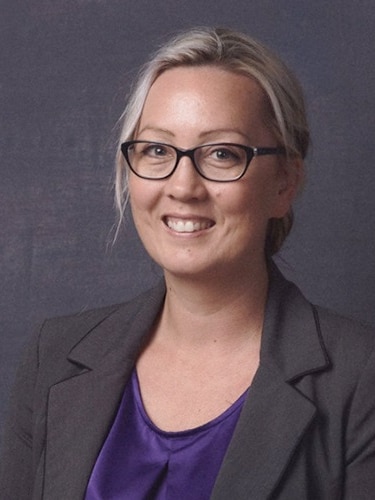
215	310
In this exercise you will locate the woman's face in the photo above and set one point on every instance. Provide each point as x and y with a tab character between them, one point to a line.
192	226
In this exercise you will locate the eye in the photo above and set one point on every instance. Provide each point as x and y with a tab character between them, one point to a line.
154	150
223	154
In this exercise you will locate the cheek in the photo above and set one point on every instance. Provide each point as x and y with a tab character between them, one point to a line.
249	200
142	195
248	210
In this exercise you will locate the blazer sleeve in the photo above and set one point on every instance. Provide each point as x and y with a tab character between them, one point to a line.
360	438
19	452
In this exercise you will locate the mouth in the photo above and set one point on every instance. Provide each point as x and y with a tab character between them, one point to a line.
192	225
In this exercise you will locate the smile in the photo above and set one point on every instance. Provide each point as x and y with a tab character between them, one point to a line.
188	225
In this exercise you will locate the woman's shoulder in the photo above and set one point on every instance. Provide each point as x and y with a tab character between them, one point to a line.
61	344
345	338
334	329
70	329
346	344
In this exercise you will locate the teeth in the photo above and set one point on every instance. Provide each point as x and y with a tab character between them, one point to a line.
187	226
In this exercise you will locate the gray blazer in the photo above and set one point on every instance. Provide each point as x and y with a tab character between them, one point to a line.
306	431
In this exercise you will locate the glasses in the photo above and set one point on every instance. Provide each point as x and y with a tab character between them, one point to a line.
224	162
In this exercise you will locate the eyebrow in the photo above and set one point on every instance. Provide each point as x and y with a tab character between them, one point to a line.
202	135
157	130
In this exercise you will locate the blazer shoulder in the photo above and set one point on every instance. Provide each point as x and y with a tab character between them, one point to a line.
332	324
345	338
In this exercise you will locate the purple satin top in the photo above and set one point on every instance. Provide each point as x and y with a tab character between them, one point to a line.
139	461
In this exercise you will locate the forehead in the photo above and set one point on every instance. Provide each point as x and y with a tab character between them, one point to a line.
211	79
204	96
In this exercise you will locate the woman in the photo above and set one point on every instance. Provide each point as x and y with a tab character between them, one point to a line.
223	382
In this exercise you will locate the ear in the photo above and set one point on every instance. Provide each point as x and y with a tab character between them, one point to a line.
290	180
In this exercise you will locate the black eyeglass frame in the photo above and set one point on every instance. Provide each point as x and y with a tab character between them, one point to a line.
250	151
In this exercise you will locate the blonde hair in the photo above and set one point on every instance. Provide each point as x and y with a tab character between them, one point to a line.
241	54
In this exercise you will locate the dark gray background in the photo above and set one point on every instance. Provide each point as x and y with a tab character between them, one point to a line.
65	69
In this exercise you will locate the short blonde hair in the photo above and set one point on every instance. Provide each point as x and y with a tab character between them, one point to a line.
241	54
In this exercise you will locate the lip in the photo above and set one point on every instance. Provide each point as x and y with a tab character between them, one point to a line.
187	224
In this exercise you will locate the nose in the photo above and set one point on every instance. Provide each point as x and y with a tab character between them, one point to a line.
185	183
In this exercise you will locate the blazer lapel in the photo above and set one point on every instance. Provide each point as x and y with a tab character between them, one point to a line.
81	408
276	415
269	429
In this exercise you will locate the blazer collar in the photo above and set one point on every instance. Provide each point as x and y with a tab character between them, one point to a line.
292	340
291	333
120	333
